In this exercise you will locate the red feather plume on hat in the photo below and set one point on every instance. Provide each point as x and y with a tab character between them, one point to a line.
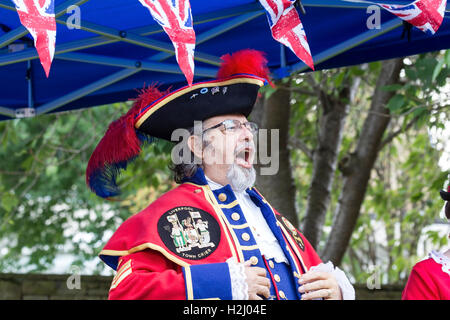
247	61
120	145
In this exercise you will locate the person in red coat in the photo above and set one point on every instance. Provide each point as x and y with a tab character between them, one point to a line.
214	236
430	278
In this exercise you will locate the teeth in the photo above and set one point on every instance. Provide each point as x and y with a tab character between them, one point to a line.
242	154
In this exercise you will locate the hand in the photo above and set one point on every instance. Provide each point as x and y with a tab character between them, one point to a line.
317	285
257	282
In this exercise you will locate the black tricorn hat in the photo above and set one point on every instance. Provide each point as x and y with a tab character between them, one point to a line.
179	109
234	90
157	114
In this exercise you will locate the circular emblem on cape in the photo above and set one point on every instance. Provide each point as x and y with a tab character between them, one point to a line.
294	233
190	233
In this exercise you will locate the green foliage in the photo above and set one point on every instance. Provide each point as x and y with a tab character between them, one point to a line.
45	207
402	199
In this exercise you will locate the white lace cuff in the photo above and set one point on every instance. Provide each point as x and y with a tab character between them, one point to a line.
239	287
347	290
271	249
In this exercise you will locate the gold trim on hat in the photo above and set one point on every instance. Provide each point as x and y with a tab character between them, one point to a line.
181	92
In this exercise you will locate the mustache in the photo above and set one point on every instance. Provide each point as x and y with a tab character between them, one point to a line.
244	145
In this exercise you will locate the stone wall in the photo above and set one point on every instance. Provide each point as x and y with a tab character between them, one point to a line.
53	287
387	292
56	287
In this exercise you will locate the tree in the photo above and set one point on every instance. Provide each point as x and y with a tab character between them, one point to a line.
318	143
334	110
45	206
360	163
273	113
326	122
401	203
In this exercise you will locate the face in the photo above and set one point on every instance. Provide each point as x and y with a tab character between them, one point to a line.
227	153
225	147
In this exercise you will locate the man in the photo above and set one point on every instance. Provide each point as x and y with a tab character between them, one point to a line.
252	252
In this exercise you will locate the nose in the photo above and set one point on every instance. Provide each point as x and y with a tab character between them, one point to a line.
246	134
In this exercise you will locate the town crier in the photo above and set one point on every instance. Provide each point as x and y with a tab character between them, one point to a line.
214	236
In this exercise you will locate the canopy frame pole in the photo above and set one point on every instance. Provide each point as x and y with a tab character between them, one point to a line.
346	45
120	75
18	33
102	40
7	112
282	55
158	67
29	111
342	4
283	71
30	54
132	64
30	85
133	38
110	35
12	36
214	32
76	94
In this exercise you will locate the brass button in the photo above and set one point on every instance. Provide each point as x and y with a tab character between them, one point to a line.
296	274
245	236
277	278
254	260
271	264
281	294
222	197
197	190
235	216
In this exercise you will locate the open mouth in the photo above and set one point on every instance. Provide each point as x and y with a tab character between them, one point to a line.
244	157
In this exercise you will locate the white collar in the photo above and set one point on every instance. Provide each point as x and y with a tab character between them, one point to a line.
214	186
441	259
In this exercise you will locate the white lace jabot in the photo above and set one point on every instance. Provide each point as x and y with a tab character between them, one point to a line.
441	259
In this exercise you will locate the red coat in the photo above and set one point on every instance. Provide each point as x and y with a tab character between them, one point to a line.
427	281
155	260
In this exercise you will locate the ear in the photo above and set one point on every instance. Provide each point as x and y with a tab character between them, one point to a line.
195	145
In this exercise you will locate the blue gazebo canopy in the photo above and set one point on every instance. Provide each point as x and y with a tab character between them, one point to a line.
119	47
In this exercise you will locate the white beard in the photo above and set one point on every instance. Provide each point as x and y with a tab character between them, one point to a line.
241	178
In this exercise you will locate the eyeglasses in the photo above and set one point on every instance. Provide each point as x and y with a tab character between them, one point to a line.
232	126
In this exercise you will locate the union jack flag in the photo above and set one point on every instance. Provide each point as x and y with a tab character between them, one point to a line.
427	15
38	16
287	28
176	19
